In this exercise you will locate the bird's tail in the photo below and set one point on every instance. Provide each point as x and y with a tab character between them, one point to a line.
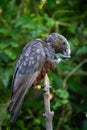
18	93
15	105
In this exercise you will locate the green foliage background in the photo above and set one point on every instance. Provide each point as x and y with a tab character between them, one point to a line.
24	20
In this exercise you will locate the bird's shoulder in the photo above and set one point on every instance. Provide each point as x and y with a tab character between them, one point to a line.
32	55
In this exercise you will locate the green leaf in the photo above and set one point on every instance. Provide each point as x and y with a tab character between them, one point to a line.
14	44
84	125
37	121
57	104
3	45
10	53
5	32
72	27
5	77
3	113
82	50
62	94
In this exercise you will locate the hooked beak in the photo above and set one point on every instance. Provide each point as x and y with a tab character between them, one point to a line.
66	55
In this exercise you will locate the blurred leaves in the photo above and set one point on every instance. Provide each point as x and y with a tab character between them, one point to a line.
3	114
20	22
82	50
62	94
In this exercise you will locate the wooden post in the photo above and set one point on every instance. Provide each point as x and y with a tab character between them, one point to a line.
48	113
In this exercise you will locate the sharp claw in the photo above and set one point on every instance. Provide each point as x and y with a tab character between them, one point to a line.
64	57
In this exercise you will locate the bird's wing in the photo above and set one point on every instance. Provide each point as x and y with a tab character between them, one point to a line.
28	68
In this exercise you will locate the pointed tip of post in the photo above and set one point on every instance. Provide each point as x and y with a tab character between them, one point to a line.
46	80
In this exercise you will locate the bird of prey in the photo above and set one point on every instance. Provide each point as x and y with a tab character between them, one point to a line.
36	59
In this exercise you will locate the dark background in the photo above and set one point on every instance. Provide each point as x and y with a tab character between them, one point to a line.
24	20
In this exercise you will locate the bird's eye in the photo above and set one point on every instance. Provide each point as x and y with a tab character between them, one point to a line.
63	43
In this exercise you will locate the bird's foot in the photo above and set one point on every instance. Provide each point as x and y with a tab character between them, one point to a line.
45	88
56	61
61	58
65	57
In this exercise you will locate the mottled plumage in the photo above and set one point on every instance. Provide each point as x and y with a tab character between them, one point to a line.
37	58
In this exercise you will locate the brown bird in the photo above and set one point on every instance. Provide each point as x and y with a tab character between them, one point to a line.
37	59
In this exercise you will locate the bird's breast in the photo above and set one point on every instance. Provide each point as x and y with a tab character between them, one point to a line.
48	66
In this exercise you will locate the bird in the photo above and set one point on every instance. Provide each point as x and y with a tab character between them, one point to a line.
37	59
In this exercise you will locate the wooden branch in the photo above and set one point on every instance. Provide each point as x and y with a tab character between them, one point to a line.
48	113
72	72
21	6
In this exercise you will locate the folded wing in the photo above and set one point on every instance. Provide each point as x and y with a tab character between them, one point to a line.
28	68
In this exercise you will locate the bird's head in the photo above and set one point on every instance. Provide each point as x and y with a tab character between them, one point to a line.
60	45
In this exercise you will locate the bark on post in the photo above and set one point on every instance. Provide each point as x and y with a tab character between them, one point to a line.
48	113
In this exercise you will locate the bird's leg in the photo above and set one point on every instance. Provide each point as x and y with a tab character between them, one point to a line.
55	61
